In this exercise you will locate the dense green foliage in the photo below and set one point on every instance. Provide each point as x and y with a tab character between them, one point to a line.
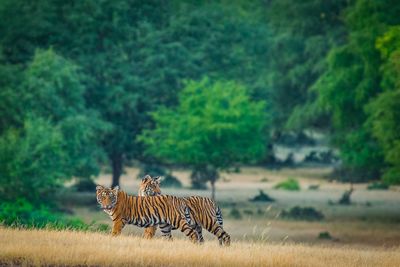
303	33
214	126
352	81
21	213
384	110
81	80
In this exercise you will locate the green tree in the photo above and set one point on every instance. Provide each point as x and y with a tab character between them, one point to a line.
214	126
351	81
32	161
53	88
303	32
384	110
52	136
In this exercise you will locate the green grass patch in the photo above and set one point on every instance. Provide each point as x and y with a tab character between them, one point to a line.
289	184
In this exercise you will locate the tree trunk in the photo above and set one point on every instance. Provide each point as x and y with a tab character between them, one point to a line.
117	166
213	189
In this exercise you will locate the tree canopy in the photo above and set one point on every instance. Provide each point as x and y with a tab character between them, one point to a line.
214	126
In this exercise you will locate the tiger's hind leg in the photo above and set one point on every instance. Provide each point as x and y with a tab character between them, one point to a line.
166	231
188	230
199	229
223	237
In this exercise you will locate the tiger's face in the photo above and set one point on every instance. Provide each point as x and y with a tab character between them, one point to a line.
150	186
107	197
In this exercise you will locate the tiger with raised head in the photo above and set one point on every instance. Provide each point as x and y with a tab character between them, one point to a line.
166	211
206	214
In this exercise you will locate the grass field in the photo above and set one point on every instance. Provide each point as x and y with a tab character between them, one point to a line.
41	247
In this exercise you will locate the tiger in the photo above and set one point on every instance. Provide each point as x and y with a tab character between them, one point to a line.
166	211
204	211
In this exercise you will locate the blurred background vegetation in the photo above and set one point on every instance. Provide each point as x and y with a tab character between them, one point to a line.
96	85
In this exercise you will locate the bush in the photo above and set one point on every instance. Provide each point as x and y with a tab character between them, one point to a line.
235	214
325	235
378	186
262	197
306	214
290	184
85	185
313	187
248	212
198	185
21	213
171	181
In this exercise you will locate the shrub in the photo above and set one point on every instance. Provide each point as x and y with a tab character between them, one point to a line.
248	212
324	235
85	185
378	186
262	197
306	213
235	214
290	184
171	181
22	213
313	187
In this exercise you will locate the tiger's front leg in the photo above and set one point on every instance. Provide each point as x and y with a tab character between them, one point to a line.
149	232
117	228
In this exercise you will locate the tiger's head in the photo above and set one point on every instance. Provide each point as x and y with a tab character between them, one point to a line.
107	197
150	186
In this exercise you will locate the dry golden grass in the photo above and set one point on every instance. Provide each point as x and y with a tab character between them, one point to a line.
42	247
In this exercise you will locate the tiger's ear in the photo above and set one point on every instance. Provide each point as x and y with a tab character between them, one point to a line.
146	177
99	187
116	188
157	179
